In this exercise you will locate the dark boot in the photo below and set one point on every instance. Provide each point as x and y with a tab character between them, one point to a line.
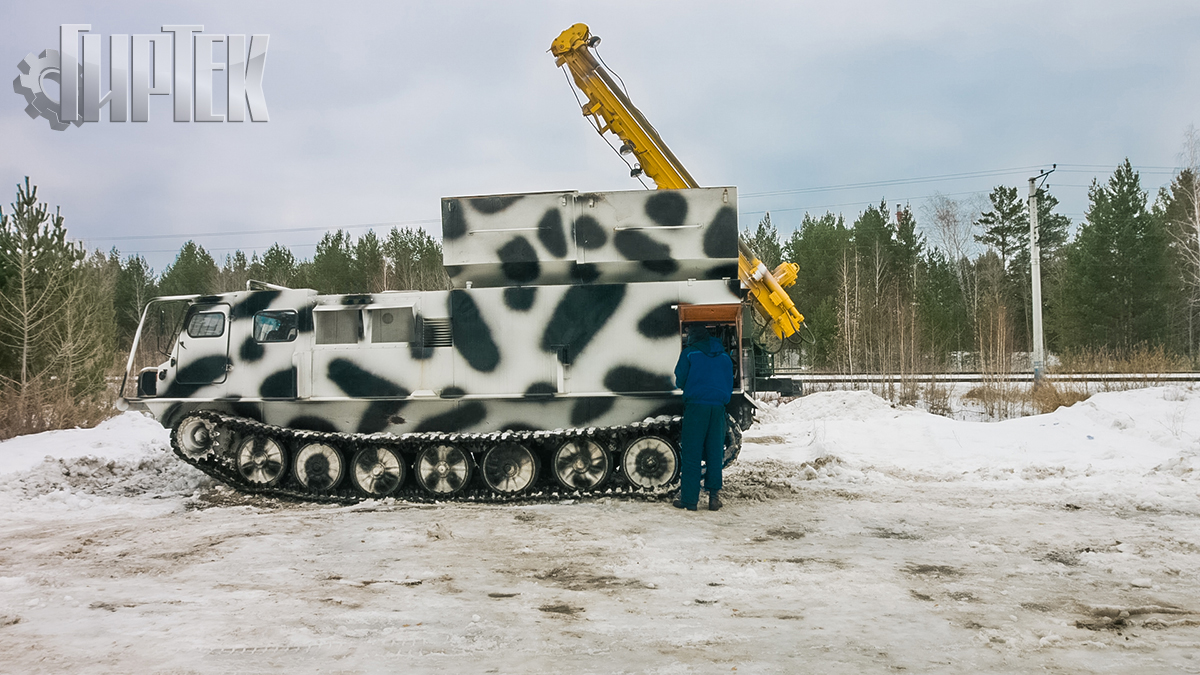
680	505
714	502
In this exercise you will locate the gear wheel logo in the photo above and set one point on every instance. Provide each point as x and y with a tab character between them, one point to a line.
35	70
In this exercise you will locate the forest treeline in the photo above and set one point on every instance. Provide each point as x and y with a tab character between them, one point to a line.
68	317
949	288
897	290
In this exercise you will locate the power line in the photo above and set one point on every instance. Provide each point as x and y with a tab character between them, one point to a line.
1077	168
895	181
188	235
1066	168
1105	167
253	249
868	202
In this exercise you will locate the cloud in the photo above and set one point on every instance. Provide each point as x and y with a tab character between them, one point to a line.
379	109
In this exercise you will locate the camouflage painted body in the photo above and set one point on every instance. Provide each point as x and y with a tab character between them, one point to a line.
565	314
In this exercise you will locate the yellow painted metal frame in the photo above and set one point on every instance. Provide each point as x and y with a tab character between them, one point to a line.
613	112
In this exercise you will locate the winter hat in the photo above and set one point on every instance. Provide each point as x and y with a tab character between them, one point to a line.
697	333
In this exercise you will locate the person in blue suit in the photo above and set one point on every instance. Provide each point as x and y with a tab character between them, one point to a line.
705	374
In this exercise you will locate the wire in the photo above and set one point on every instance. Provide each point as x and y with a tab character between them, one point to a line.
896	181
626	91
596	126
812	337
571	86
872	201
1080	168
606	67
1105	167
271	231
254	249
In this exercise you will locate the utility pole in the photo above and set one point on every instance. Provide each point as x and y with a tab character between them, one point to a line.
1035	270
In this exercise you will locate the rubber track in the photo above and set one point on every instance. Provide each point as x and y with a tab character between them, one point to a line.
220	463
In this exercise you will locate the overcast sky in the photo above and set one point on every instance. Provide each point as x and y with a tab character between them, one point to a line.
377	110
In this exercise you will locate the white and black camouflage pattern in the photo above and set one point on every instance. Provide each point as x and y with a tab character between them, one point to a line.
564	313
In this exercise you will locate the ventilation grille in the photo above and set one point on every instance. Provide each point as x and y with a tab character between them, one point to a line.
436	333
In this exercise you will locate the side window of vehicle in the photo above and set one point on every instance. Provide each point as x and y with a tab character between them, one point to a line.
206	324
275	326
338	327
392	324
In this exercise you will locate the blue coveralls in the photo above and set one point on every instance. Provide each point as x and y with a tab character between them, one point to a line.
705	374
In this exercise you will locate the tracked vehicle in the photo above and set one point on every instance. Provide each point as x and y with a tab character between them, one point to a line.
546	369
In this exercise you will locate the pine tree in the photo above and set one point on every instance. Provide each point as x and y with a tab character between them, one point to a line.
55	317
38	261
817	247
370	267
133	289
234	273
1006	224
874	240
765	243
276	266
86	330
1117	292
415	261
906	251
944	318
1052	234
192	272
332	266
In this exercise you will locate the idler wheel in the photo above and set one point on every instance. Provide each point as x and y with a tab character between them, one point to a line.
195	436
581	464
318	466
650	462
443	469
260	461
509	468
378	471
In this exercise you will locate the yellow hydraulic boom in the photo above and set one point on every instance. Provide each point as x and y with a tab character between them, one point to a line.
612	111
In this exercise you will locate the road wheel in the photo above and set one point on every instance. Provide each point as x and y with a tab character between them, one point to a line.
378	471
443	469
650	462
260	461
318	466
581	464
509	468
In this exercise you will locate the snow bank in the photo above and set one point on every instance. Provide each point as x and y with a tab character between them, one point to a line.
1120	432
127	436
1141	443
1136	449
128	455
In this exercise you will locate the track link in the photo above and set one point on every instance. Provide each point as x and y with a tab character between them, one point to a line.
228	431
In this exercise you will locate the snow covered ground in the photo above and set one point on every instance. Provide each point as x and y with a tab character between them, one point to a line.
857	537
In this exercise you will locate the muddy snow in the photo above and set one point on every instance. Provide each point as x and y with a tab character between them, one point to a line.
857	537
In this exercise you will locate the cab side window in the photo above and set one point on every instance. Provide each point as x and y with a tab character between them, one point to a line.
275	326
206	324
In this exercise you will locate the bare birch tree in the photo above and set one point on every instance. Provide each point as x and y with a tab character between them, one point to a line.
1181	205
953	229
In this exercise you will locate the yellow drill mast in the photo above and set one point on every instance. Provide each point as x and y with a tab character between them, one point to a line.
612	111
